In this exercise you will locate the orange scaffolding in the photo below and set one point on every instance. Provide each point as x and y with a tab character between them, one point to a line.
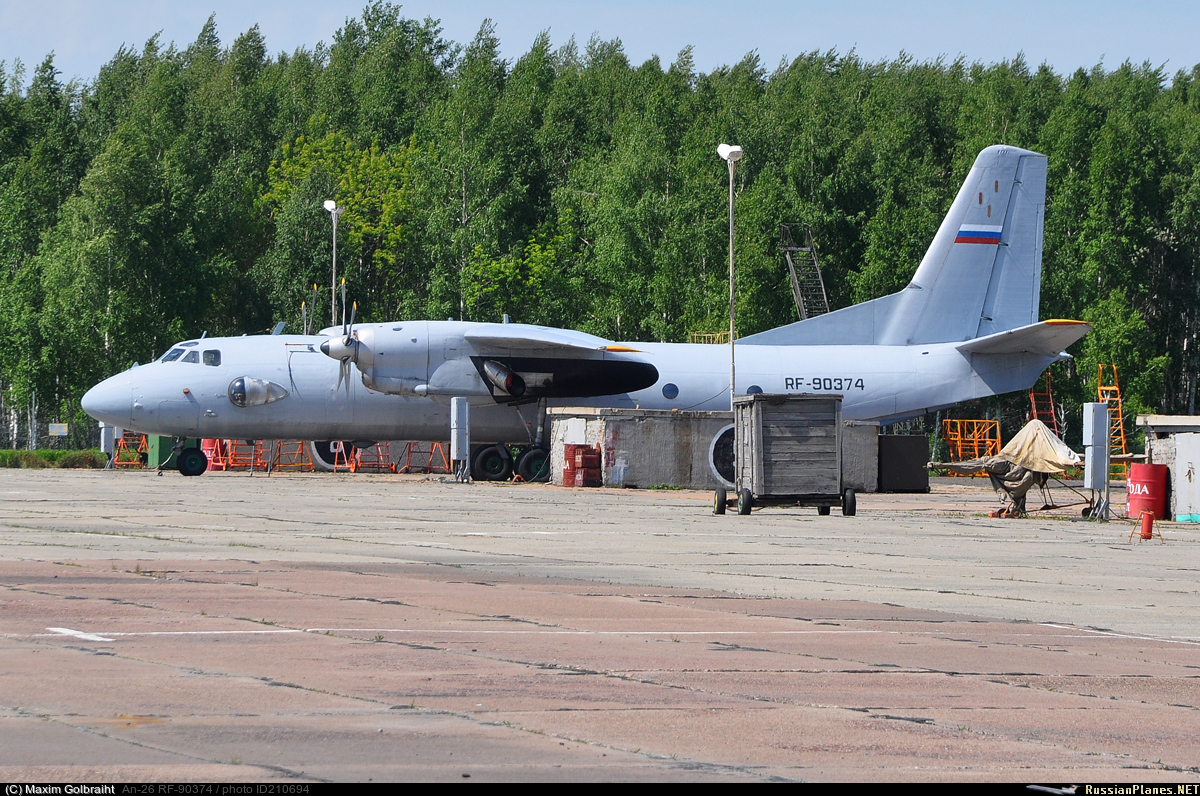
1042	406
217	451
291	455
375	459
342	459
134	442
241	453
418	459
971	439
1110	393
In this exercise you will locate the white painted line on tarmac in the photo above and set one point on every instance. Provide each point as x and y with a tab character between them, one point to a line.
205	632
66	631
544	632
1135	637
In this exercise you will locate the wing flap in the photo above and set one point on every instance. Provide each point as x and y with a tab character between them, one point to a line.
1047	338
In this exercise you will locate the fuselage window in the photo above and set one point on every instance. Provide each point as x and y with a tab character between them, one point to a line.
670	392
212	358
191	356
172	355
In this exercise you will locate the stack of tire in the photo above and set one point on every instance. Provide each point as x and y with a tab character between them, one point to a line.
583	466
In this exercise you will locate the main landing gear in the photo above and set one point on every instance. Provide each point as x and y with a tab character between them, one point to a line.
497	463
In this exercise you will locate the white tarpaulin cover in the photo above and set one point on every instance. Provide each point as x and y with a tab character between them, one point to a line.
1036	448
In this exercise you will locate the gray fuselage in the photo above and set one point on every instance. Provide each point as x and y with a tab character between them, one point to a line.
193	399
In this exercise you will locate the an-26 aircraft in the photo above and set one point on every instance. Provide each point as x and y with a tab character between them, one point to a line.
965	327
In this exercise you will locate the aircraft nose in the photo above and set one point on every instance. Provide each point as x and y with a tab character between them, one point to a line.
109	401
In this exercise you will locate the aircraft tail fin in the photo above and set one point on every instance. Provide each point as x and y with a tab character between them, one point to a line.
981	274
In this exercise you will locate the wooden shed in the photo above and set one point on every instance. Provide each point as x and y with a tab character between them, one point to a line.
788	451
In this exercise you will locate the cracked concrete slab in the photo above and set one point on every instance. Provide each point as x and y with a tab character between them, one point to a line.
356	628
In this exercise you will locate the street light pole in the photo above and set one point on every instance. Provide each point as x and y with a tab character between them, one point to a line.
335	212
731	154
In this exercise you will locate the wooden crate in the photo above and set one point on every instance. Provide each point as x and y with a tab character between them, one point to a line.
788	447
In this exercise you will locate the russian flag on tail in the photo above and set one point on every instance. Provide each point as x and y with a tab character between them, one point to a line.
978	233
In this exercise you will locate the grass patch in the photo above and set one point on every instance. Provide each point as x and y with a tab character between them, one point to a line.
40	459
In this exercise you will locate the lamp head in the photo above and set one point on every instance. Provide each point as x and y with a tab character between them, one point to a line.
731	153
330	205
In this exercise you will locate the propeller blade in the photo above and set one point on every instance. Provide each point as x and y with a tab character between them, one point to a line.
304	317
343	305
350	329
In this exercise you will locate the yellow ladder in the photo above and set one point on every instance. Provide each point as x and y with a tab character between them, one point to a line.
1110	394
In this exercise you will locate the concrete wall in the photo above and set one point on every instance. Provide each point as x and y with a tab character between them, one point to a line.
860	456
664	448
647	447
1160	445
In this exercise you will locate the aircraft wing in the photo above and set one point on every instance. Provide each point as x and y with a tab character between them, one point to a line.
1047	338
529	339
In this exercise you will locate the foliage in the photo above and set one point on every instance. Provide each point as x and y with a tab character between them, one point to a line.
41	459
181	191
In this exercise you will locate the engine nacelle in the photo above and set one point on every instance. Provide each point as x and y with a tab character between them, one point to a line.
504	379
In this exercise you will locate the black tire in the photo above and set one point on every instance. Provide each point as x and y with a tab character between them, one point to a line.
534	465
849	503
191	461
491	465
823	511
745	502
719	499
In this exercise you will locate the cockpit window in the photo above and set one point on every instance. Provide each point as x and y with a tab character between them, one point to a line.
212	358
191	356
172	355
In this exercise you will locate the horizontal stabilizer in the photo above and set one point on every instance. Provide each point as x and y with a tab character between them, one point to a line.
1048	338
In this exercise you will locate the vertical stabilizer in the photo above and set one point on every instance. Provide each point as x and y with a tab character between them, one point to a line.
981	274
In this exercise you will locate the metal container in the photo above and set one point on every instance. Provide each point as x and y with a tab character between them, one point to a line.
902	463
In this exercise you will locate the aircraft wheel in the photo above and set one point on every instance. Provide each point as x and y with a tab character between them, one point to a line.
192	461
534	465
491	465
823	511
719	498
745	502
849	503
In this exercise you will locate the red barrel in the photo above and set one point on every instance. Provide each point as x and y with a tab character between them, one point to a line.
1146	490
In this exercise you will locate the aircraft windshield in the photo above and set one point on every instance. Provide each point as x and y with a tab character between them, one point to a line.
172	355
